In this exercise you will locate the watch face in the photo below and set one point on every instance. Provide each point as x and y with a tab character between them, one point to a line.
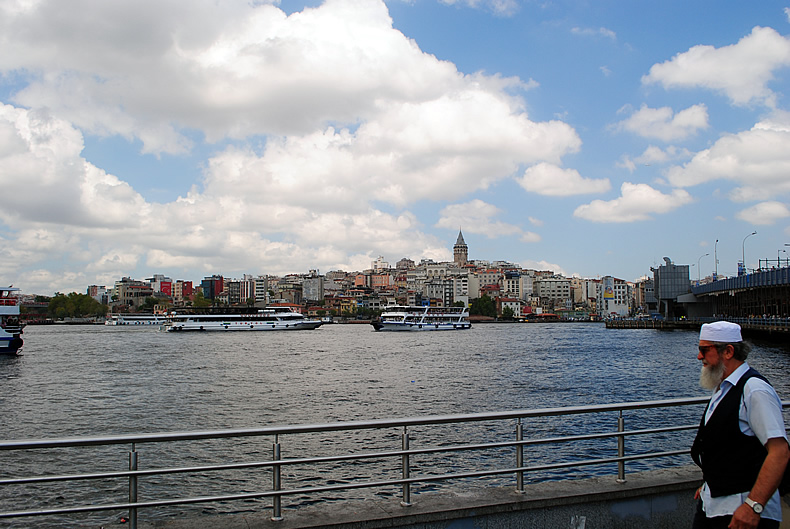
757	508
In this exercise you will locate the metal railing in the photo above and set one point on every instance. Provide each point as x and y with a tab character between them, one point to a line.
405	460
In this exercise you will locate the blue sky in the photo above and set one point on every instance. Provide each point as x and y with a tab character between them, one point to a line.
240	137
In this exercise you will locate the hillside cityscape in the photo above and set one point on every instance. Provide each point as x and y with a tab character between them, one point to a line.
497	289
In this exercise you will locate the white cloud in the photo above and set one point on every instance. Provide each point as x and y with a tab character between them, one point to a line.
637	202
548	179
764	213
757	159
499	7
594	32
477	216
662	124
226	70
741	71
655	156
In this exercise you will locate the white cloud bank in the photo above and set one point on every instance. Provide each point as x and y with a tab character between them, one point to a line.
637	202
551	180
356	125
740	71
477	217
758	160
664	125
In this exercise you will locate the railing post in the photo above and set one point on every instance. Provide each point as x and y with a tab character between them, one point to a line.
277	513
519	457
406	501
133	488
621	448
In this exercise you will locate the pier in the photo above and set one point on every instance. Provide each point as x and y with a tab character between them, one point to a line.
766	328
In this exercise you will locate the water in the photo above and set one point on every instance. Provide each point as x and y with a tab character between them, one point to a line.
97	380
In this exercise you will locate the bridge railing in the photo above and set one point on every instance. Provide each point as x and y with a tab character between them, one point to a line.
522	446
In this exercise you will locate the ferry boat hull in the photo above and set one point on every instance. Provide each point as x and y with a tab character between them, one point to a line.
135	320
265	320
417	319
10	328
242	326
406	327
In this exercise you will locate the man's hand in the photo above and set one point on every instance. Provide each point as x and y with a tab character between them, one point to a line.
744	518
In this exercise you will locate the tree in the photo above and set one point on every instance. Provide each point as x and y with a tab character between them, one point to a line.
508	313
149	303
75	306
483	306
200	301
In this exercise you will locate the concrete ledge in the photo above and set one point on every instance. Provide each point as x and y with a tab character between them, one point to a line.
654	499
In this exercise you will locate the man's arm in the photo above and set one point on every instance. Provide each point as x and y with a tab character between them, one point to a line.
767	481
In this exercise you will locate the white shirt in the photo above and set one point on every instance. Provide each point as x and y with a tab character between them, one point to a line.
760	415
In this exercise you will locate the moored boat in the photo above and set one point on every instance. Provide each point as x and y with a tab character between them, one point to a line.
417	318
10	326
269	319
135	319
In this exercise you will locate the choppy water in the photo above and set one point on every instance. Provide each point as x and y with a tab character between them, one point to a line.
96	380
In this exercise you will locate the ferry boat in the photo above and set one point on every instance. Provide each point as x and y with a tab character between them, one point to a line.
269	319
405	318
135	319
10	327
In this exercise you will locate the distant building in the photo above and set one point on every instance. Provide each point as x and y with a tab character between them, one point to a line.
212	286
460	250
182	291
613	297
100	294
669	282
131	293
313	287
380	264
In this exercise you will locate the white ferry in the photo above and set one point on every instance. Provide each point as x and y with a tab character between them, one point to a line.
135	319
403	318
10	327
269	319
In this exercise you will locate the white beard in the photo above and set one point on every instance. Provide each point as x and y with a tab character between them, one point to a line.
711	377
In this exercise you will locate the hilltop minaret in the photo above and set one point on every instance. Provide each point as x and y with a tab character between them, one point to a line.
460	250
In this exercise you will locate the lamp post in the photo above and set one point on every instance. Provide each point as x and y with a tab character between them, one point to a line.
715	260
698	260
743	249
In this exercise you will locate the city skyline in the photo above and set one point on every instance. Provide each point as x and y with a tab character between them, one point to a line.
199	138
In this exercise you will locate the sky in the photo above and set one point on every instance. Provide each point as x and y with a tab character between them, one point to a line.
192	138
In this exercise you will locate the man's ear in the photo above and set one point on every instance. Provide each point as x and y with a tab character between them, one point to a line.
728	352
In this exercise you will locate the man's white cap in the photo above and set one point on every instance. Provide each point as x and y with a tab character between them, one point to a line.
721	331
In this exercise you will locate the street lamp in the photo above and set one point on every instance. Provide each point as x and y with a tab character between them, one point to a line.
715	260
743	249
698	260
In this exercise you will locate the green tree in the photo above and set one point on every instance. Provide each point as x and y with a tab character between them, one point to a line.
508	313
200	301
483	306
75	306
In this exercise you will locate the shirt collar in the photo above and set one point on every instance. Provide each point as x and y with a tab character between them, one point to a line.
736	375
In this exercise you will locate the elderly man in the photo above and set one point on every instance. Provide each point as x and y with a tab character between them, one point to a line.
741	444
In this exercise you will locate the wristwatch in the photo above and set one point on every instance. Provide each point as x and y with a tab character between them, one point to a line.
756	507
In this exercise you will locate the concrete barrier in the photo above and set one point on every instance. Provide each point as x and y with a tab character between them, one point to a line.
647	500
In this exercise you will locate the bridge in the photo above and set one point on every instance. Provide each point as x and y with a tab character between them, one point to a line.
551	467
764	294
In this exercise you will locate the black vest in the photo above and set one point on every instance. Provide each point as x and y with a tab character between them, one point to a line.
730	460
